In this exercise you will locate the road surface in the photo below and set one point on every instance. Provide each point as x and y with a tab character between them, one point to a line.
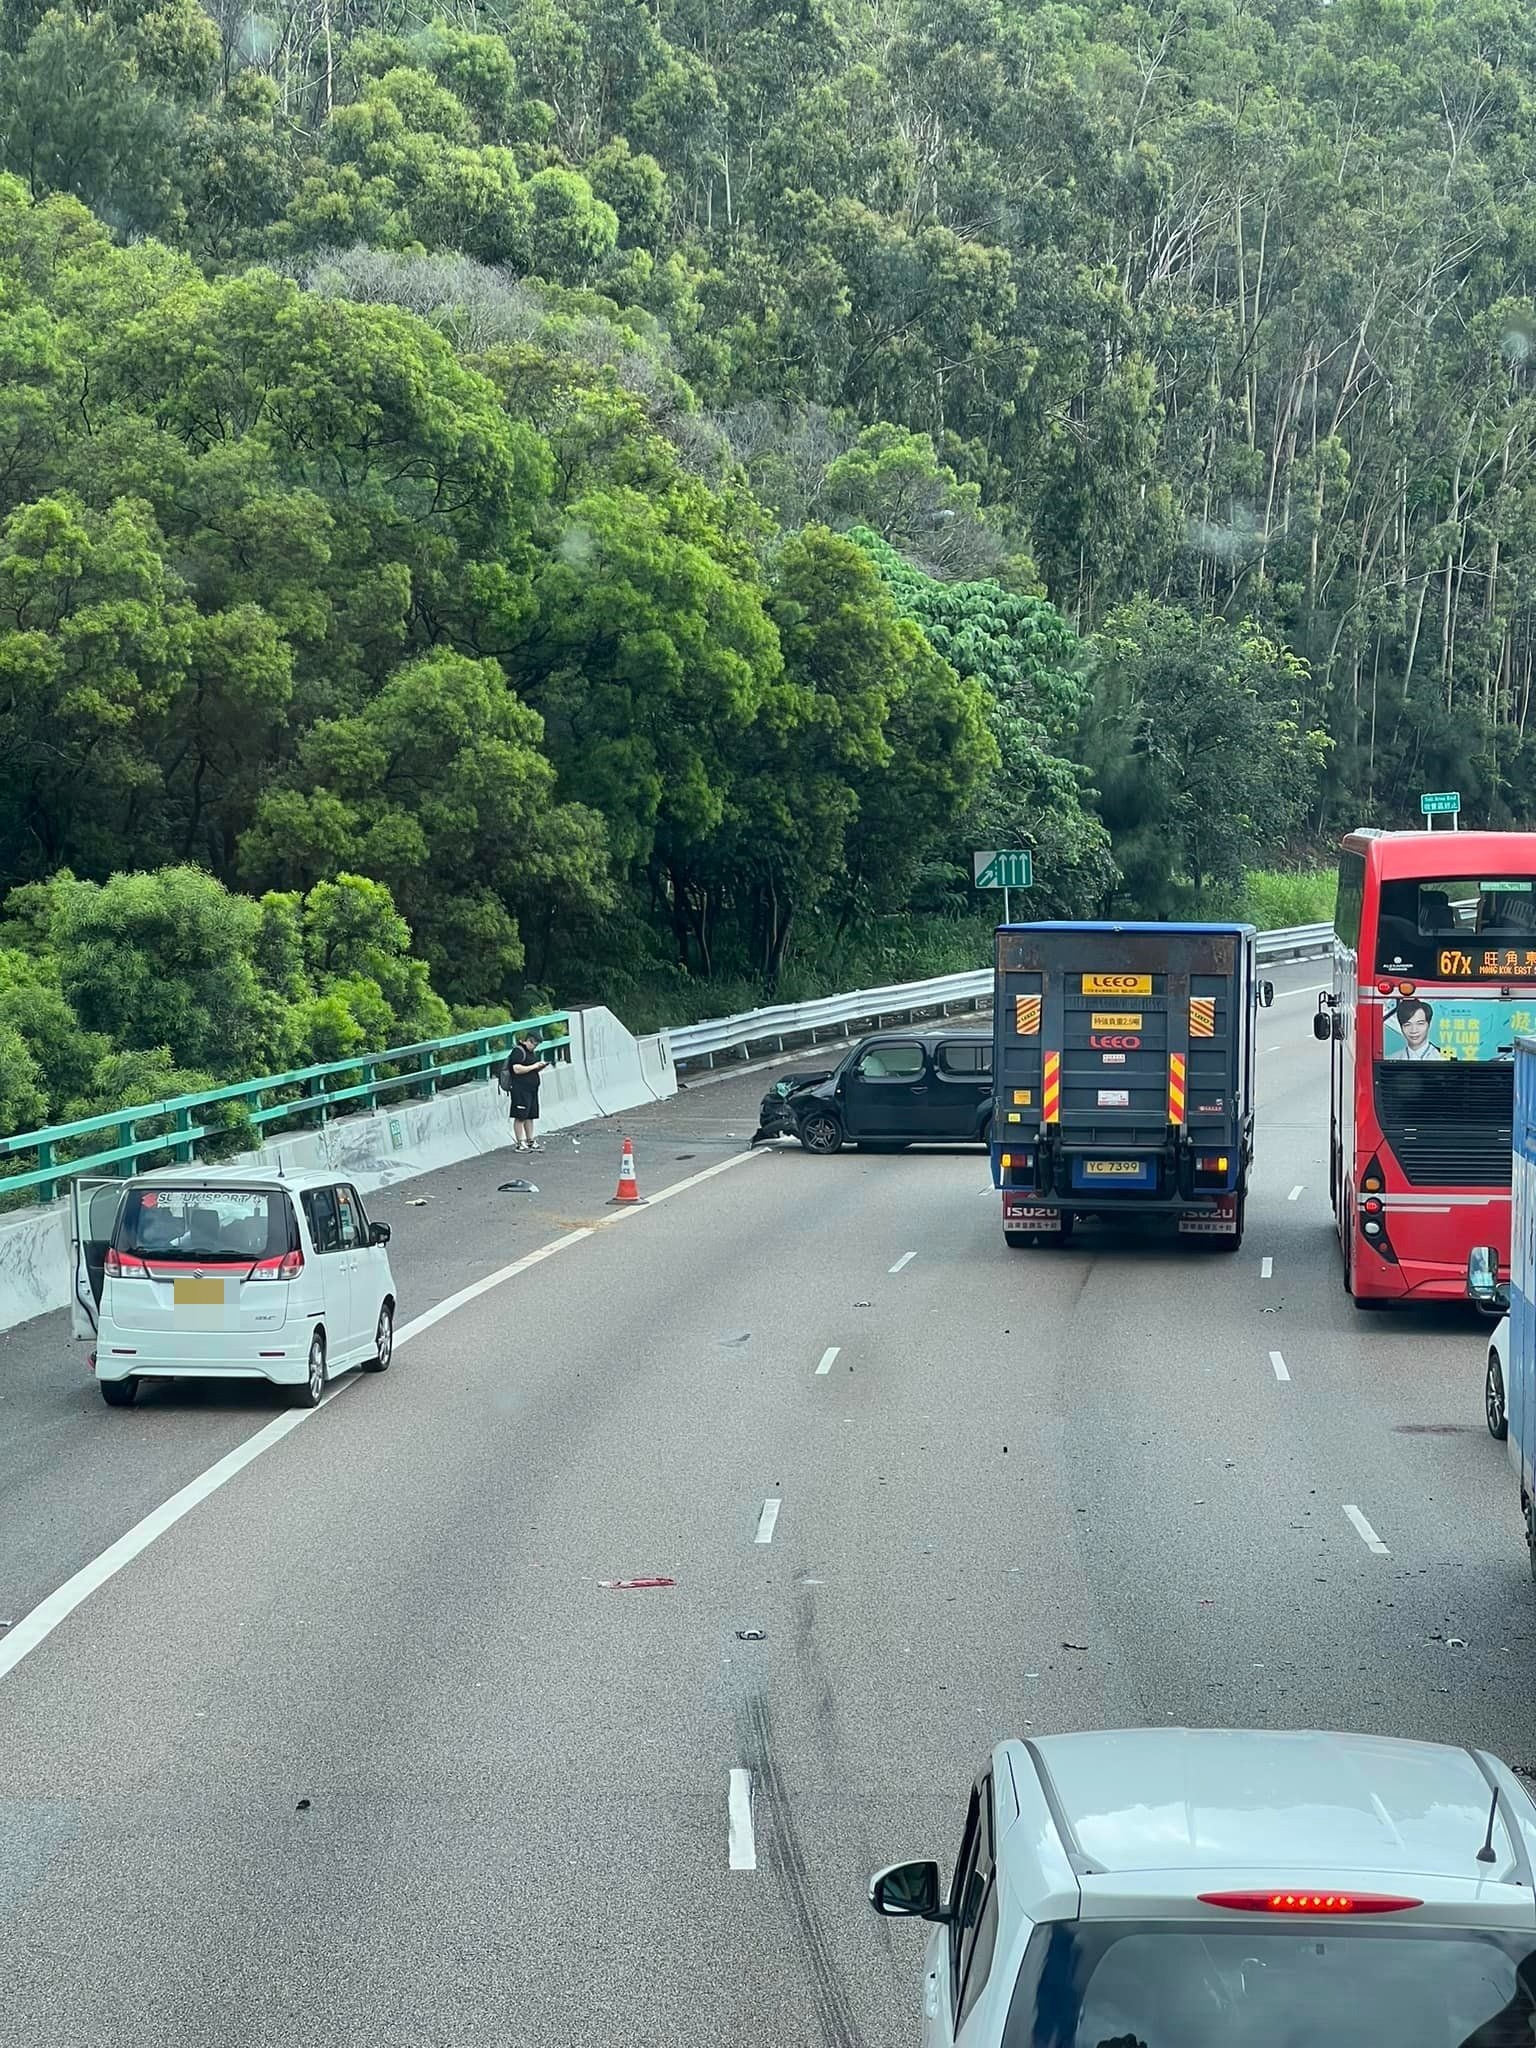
372	1747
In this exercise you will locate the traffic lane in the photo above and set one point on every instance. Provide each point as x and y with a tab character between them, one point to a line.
74	1477
396	1616
1269	1602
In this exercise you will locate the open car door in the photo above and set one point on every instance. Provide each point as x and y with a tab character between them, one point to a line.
93	1206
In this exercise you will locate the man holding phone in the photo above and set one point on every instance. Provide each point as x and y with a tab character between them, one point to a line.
521	1077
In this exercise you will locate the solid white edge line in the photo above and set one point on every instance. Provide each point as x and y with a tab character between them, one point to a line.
1295	1194
768	1518
905	1260
1279	1366
44	1618
742	1843
35	1626
827	1358
1366	1533
1267	1269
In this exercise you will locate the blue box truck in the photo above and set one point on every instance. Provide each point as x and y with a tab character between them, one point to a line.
1123	1067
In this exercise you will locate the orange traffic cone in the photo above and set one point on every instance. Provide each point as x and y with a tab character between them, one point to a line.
629	1187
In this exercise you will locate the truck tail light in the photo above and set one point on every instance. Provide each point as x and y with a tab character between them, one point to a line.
288	1267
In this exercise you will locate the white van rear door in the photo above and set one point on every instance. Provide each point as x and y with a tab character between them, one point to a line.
93	1207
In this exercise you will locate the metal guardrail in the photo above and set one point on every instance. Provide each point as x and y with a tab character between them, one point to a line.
308	1094
758	1030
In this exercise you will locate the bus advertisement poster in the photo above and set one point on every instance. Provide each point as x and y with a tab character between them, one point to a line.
1461	1028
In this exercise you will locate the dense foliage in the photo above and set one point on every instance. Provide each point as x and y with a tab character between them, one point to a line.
652	486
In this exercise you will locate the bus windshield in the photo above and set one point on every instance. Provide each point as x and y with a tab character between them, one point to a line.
1482	928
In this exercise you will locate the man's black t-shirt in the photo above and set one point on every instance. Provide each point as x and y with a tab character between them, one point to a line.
524	1089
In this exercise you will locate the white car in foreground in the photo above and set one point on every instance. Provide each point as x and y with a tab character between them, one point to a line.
196	1273
1495	1381
1178	1888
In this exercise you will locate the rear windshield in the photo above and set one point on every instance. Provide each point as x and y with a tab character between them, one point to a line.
213	1226
1444	930
1290	1986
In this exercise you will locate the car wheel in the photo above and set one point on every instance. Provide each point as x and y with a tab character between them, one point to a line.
119	1393
312	1390
383	1342
821	1132
1494	1411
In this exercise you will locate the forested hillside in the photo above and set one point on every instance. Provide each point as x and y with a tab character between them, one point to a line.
651	486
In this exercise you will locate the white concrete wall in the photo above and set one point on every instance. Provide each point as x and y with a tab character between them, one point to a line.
608	1071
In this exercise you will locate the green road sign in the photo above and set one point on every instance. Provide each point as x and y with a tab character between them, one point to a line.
994	870
1440	800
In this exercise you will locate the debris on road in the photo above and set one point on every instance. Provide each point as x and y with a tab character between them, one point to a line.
302	1807
751	1635
633	1585
516	1187
738	1337
418	1201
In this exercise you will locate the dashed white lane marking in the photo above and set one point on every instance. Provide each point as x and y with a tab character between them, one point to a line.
905	1260
1267	1270
766	1520
1366	1533
1279	1366
1272	1048
35	1627
743	1843
828	1357
1295	1194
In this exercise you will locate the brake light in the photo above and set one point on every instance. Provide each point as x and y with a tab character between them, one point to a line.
1333	1903
288	1267
1214	1163
1383	988
123	1265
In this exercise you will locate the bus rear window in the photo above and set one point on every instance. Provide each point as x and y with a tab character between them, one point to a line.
1446	930
211	1226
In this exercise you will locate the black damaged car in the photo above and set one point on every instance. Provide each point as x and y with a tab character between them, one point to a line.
895	1089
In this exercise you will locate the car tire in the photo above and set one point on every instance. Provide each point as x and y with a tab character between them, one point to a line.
311	1392
119	1393
821	1131
383	1341
1495	1414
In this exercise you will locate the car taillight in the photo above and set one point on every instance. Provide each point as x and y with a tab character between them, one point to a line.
288	1267
123	1265
1309	1902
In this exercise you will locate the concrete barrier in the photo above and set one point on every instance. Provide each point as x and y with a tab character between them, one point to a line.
381	1146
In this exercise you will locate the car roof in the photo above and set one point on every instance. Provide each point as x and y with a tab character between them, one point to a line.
245	1177
1157	1813
927	1037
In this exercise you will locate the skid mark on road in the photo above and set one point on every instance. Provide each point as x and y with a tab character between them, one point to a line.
836	2025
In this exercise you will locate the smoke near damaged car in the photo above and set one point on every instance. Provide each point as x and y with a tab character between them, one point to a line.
891	1090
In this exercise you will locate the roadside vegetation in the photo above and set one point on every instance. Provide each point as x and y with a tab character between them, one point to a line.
634	495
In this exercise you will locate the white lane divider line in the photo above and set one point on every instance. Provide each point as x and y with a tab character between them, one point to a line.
39	1624
61	1603
1267	1269
743	1842
767	1519
828	1358
1366	1533
1295	1194
905	1260
1279	1366
1272	1048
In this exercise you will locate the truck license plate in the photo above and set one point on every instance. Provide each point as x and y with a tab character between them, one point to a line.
1124	1173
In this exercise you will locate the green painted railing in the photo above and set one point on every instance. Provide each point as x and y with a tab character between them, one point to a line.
309	1095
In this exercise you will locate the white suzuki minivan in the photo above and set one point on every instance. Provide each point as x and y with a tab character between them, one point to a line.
193	1273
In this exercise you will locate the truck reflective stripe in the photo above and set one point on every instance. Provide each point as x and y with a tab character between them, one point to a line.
1202	1016
1176	1088
1026	1015
1050	1089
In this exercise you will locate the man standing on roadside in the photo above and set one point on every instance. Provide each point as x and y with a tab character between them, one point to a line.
522	1074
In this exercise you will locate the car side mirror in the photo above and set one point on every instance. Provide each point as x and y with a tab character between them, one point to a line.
907	1891
1483	1283
1267	994
378	1233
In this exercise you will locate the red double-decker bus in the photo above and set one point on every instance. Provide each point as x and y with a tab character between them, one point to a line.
1434	972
